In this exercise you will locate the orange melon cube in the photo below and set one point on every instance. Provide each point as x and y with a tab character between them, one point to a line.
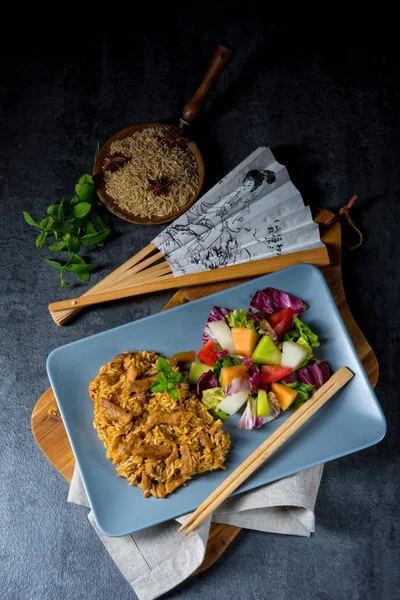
245	340
228	374
284	394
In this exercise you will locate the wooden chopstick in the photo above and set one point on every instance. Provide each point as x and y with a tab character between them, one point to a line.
267	448
316	256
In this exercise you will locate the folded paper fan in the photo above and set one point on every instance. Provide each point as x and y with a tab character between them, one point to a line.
244	225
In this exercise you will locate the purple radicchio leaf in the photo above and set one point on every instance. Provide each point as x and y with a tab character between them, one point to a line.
305	376
320	372
223	352
236	385
270	300
262	301
216	314
206	381
264	327
281	300
291	378
248	418
255	381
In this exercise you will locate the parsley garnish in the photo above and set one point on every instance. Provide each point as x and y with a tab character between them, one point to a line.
166	379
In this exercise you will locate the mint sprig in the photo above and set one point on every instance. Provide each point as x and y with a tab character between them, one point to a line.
70	225
167	379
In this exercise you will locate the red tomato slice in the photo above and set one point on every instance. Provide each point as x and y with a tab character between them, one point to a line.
282	321
208	353
272	373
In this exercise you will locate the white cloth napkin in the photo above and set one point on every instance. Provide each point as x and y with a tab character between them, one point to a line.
157	559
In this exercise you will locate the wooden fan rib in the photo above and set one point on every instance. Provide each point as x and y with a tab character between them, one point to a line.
64	316
133	276
317	256
148	275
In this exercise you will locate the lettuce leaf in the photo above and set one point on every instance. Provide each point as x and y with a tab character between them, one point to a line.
303	390
240	318
225	361
303	332
211	398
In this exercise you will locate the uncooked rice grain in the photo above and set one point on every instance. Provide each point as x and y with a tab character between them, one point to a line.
149	157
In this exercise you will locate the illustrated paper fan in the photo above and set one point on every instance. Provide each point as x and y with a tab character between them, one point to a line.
253	215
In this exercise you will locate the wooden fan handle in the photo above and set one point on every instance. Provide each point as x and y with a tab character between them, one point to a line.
217	65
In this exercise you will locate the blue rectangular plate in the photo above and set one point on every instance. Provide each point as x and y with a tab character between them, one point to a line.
352	420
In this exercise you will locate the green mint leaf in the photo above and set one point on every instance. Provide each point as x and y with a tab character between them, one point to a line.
46	223
64	284
76	260
30	220
90	228
88	179
41	239
81	269
52	209
156	388
55	264
177	377
173	393
85	189
161	378
59	213
91	239
163	366
83	276
96	153
81	209
57	246
62	226
99	221
73	244
74	200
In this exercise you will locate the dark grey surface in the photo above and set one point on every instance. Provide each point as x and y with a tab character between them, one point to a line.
327	104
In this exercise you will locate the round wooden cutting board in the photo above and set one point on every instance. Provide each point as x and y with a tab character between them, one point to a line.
48	428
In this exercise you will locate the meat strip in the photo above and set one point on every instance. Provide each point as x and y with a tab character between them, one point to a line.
179	419
174	483
173	456
215	427
204	440
187	461
114	412
138	385
125	450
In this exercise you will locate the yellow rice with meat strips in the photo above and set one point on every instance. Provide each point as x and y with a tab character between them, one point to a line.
155	441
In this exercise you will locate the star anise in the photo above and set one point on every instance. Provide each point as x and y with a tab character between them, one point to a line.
114	161
159	186
173	137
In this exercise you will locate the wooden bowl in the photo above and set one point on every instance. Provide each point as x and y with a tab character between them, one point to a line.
109	202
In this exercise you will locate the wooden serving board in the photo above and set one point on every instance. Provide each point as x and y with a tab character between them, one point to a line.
48	428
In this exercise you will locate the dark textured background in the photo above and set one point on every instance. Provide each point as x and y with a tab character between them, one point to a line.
328	106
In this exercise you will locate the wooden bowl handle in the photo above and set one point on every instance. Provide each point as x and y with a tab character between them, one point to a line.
217	65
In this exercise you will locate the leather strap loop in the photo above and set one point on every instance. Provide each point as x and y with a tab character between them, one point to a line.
345	211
